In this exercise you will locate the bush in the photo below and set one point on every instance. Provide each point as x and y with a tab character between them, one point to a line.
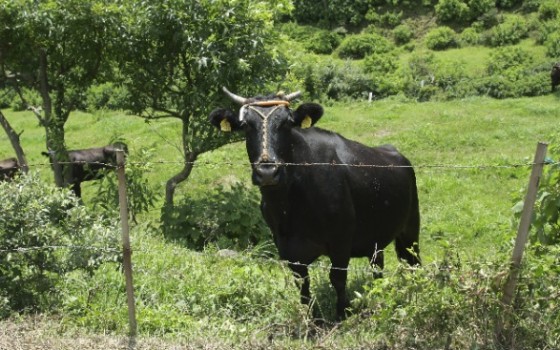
552	44
507	59
361	45
324	42
141	197
228	217
549	10
479	8
469	36
510	32
441	38
546	29
31	96
106	96
455	304
451	11
45	233
402	34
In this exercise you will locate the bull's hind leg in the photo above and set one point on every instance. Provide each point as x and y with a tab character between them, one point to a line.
406	244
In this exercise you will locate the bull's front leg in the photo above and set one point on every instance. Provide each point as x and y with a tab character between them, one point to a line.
338	276
301	275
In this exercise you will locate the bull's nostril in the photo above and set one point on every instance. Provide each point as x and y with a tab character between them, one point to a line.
266	174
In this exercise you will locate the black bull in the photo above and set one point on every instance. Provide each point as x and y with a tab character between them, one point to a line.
90	164
323	194
8	168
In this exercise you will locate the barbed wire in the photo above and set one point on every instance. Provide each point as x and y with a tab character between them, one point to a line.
220	254
320	164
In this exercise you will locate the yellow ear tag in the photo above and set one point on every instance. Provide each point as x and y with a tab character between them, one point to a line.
306	122
225	126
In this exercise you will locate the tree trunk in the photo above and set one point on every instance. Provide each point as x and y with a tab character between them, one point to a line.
172	183
14	139
190	158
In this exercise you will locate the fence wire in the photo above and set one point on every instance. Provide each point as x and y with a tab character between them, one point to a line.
218	164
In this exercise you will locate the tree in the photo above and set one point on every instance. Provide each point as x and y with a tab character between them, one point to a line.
181	52
57	48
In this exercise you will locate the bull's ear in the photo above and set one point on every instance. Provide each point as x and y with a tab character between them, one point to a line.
307	114
224	120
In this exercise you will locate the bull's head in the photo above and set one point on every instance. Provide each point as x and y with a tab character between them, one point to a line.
269	124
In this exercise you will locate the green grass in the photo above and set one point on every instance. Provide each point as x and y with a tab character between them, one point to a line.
245	300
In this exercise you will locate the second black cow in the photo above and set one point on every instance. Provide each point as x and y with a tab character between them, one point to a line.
8	169
323	194
90	164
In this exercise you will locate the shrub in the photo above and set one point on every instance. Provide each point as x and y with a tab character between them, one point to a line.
510	32
324	42
141	197
106	96
361	45
469	36
508	59
381	64
552	44
545	29
402	34
479	8
228	217
31	96
507	4
45	233
451	11
441	38
549	10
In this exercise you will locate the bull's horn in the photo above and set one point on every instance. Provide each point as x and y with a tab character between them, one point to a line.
240	100
293	96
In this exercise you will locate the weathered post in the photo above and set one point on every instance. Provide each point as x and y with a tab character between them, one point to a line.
522	235
127	252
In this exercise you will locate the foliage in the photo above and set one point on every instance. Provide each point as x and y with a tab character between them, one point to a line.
177	70
469	36
478	8
402	34
552	44
361	45
141	197
448	11
549	10
45	233
511	31
59	48
106	96
456	304
511	74
546	220
228	217
324	42
441	38
333	13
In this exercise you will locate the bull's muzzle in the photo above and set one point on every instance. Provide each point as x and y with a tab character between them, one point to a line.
266	174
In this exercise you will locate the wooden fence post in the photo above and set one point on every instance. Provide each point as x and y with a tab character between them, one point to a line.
127	252
522	235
